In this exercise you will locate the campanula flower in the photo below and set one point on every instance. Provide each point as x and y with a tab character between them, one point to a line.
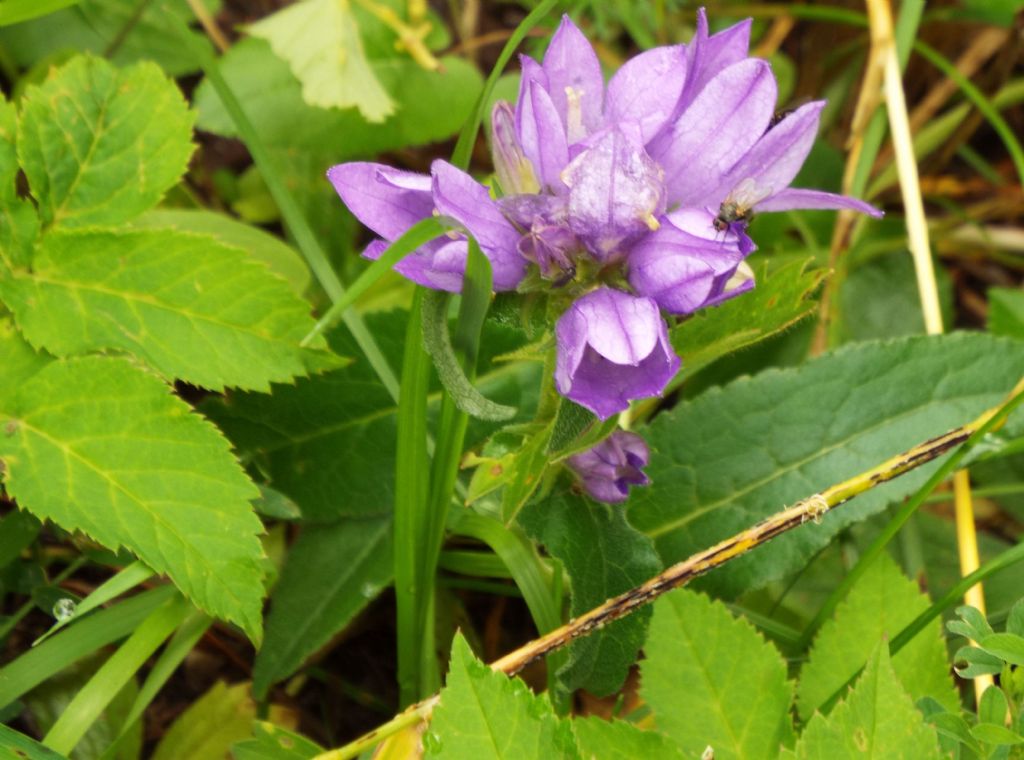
608	469
613	347
647	183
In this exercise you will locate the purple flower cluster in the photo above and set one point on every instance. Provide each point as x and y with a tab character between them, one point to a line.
633	198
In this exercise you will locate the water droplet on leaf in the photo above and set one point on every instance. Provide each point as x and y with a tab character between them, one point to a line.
64	609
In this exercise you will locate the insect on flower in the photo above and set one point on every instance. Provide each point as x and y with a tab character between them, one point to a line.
738	204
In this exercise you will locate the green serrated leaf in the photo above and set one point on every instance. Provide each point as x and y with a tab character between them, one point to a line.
320	41
781	299
485	715
101	145
8	153
19	224
328	441
712	680
19	360
877	608
98	445
279	257
604	556
187	305
1006	312
737	454
207	729
618	740
878	719
332	572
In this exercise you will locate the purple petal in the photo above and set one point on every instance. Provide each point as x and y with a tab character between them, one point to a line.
683	264
570	62
386	200
776	158
543	137
799	198
461	197
717	129
615	193
612	348
647	88
437	265
515	172
719	52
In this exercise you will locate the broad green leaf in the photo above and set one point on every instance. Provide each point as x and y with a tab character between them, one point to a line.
995	733
485	715
320	41
96	444
879	298
332	573
272	742
604	556
1006	312
972	623
1006	646
94	24
8	152
17	11
304	141
273	100
328	441
187	305
712	679
971	662
100	145
993	706
19	360
19	224
618	740
737	454
781	299
207	729
279	257
877	719
877	608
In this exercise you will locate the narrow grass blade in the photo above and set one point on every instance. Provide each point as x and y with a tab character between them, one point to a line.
93	698
420	233
35	666
128	578
412	488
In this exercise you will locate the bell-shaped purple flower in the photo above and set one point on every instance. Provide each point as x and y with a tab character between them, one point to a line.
608	469
612	348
